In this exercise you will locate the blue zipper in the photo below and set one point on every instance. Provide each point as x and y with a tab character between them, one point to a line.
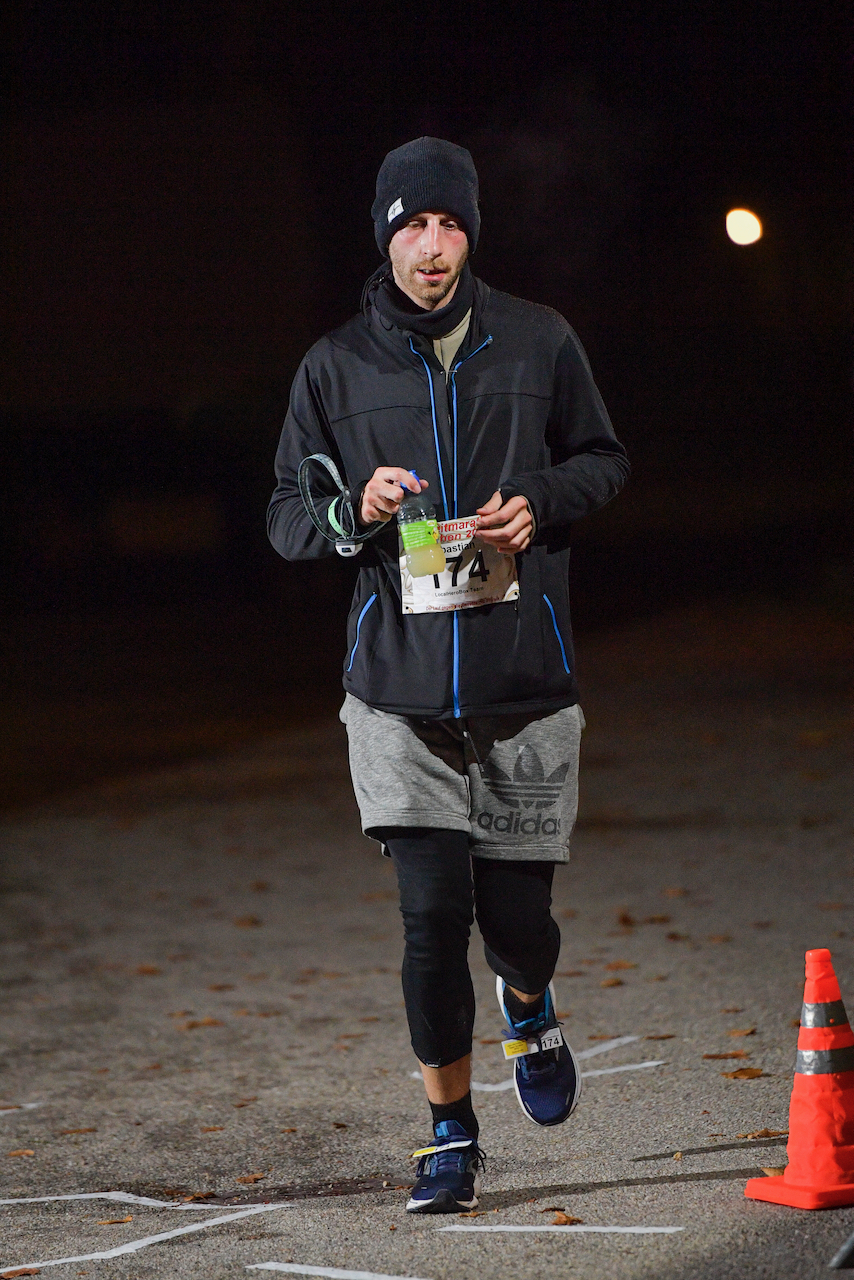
457	366
449	513
557	633
365	608
435	425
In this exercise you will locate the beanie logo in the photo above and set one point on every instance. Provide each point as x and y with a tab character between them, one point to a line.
395	209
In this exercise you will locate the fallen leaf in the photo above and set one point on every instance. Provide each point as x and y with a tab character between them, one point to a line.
198	1195
796	1022
660	977
332	973
270	1013
563	1013
733	1009
656	920
491	1040
251	1177
370	1018
677	1155
221	986
248	922
392	1227
202	1022
765	1133
382	895
244	1102
608	1037
550	1208
719	937
213	1128
832	906
564	1220
677	937
101	1071
620	964
64	1132
773	1172
472	1213
675	893
148	969
744	1073
762	924
719	1057
154	1066
569	913
612	982
260	886
743	1031
28	1271
570	973
625	920
287	1130
668	1036
337	1124
21	1151
114	1222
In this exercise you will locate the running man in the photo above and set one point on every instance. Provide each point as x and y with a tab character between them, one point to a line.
461	702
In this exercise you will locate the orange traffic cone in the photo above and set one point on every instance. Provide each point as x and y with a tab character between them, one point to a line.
820	1173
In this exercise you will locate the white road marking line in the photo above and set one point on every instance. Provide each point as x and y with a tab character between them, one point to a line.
626	1231
123	1197
133	1245
337	1273
585	1075
629	1066
606	1047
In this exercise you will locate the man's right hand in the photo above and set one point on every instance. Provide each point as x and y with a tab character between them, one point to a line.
384	493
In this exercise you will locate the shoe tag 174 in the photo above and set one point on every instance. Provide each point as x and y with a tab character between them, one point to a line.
552	1039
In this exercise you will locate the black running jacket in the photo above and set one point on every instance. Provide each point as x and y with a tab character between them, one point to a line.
518	412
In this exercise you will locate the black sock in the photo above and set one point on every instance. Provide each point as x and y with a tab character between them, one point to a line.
461	1111
519	1010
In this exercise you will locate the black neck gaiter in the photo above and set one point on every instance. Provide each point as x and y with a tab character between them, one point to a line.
399	310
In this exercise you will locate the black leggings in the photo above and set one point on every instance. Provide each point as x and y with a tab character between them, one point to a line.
441	888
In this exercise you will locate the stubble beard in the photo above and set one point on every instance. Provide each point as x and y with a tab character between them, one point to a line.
431	295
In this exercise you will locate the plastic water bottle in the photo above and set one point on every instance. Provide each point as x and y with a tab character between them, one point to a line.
419	530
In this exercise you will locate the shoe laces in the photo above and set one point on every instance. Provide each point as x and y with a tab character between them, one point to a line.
446	1157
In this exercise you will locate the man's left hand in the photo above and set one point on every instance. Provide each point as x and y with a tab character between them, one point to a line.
507	526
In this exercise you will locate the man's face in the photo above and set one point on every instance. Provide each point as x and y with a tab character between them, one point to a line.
427	255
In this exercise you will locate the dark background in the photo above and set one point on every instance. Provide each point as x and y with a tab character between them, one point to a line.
187	203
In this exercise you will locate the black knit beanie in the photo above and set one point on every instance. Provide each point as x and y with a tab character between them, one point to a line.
426	174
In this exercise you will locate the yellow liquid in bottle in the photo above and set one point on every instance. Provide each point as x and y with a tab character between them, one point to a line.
425	560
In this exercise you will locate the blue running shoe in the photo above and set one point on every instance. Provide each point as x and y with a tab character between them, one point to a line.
546	1074
447	1178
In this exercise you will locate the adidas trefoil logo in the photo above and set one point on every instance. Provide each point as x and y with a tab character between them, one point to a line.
529	785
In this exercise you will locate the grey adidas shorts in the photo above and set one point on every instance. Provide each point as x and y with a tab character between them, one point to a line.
510	781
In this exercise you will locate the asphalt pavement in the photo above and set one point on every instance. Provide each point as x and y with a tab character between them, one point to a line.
203	1024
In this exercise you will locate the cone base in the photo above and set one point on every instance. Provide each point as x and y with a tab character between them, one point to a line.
779	1191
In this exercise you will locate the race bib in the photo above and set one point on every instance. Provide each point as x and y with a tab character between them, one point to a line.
474	573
